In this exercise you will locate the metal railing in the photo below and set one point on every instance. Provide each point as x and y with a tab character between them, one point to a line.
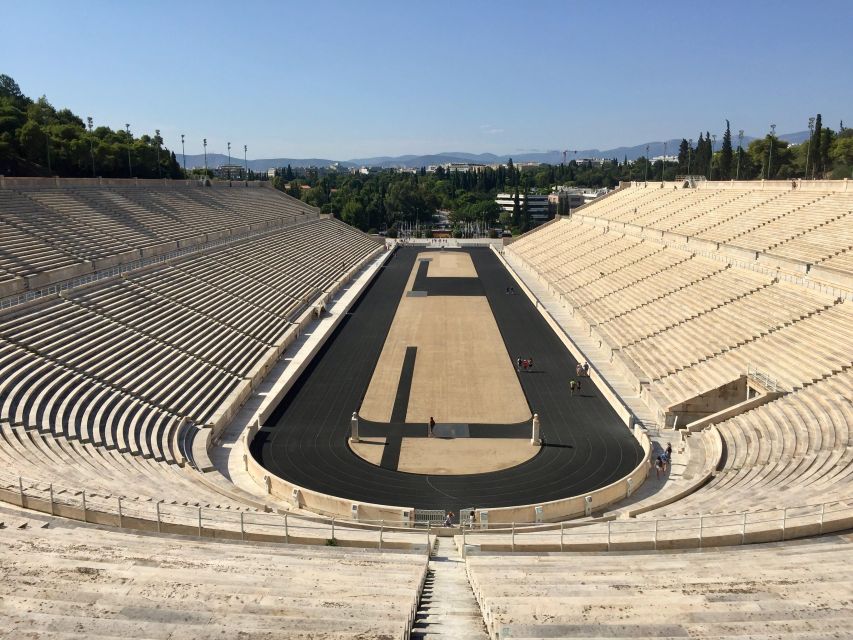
762	525
204	521
765	380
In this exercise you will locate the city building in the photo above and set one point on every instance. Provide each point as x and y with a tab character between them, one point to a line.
563	199
230	172
537	206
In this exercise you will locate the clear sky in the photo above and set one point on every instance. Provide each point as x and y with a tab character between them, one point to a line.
343	79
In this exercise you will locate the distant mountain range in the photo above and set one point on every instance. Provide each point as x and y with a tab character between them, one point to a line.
414	161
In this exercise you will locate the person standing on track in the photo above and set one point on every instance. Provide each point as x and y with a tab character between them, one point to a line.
431	427
572	385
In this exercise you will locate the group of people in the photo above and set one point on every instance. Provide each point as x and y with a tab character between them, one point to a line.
574	385
663	461
582	369
510	291
524	364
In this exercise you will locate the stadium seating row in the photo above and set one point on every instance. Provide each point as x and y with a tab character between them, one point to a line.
793	590
64	580
59	234
807	226
125	363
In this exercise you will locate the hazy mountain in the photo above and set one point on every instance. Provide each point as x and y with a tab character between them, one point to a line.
216	159
656	148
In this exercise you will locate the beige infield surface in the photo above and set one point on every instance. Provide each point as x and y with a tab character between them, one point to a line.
463	373
450	456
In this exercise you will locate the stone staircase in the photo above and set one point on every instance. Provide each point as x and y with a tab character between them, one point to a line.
447	608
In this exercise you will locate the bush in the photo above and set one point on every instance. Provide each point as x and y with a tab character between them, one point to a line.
493	233
331	542
372	231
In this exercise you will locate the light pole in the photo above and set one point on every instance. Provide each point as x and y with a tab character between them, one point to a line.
770	153
646	177
91	148
130	139
739	152
205	157
229	159
184	154
689	153
663	166
157	140
809	148
711	161
245	163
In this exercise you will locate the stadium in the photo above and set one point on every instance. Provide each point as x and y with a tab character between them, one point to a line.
223	410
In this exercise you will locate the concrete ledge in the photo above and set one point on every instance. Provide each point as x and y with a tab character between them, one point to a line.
832	277
734	410
230	406
12	287
785	264
699	245
201	447
737	252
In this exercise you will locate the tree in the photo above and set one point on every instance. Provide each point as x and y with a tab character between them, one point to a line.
698	166
10	89
683	156
814	146
516	208
827	136
726	154
353	213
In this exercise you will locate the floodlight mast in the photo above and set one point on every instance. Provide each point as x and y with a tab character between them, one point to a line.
711	163
157	140
809	148
689	153
205	157
89	121
130	140
184	154
739	152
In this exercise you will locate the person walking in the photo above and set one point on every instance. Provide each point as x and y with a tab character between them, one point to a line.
586	369
431	427
572	385
579	386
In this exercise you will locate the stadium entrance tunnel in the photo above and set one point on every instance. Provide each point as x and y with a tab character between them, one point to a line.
305	442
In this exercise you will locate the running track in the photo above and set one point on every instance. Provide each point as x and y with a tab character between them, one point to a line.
305	440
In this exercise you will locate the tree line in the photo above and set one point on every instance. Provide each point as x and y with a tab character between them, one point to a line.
36	139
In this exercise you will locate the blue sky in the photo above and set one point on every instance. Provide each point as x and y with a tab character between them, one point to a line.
346	79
